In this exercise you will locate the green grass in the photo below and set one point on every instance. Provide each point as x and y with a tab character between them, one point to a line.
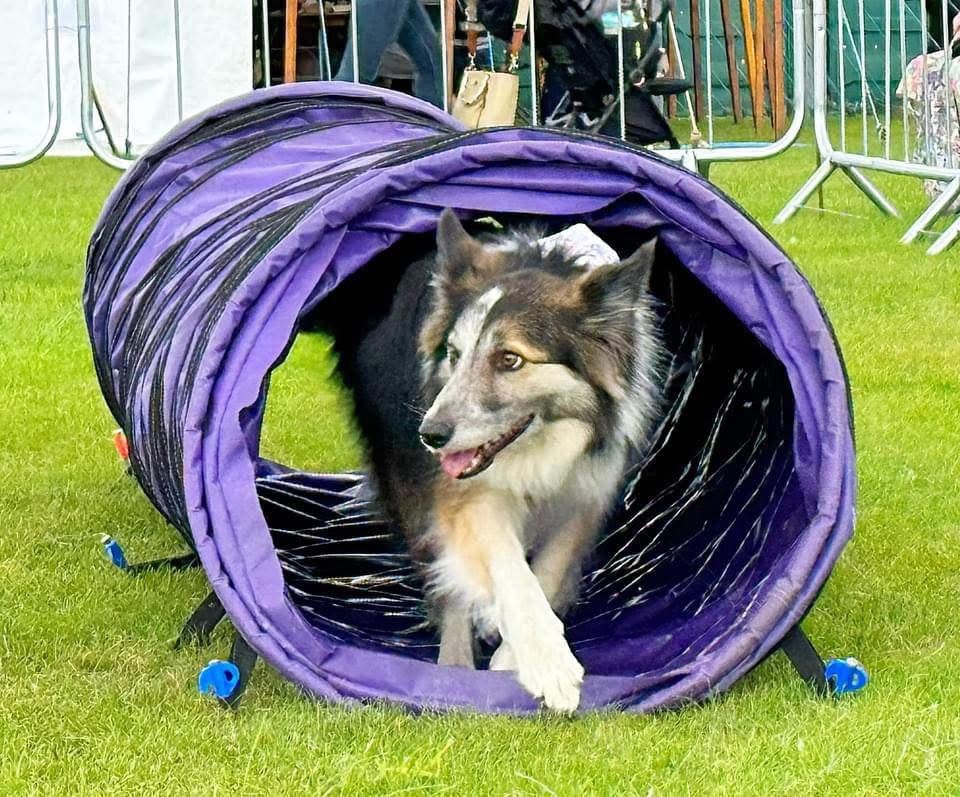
93	701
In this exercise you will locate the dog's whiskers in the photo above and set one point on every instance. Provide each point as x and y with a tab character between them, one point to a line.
416	409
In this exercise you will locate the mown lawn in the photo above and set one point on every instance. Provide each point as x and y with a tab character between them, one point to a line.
93	701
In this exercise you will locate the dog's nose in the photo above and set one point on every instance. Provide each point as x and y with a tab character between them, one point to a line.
435	435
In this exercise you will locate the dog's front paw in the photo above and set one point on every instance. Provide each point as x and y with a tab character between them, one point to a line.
503	658
547	669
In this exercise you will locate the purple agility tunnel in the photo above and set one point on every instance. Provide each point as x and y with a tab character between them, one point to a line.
218	245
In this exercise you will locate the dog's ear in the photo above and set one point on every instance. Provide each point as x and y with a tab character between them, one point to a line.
459	258
458	253
640	264
620	282
606	300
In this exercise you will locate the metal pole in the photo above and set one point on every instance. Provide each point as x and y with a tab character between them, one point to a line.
265	43
324	45
176	36
354	35
903	71
886	78
934	210
949	100
841	75
923	82
826	167
127	143
621	78
534	78
695	131
86	91
444	67
9	160
707	23
863	78
946	239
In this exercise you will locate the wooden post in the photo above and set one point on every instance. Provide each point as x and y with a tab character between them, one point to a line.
290	15
780	105
759	31
699	106
729	38
748	46
770	61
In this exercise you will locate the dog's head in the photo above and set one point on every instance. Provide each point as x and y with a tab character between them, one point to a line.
523	348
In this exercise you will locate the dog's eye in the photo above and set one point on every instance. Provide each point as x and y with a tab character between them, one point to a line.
508	361
453	356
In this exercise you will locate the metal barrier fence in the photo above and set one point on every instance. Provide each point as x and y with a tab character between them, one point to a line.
926	121
919	139
110	153
714	151
101	141
21	157
706	40
713	30
156	52
930	93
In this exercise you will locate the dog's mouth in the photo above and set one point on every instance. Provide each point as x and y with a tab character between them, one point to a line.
471	461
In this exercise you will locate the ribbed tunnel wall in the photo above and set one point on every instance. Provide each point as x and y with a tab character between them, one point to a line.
220	241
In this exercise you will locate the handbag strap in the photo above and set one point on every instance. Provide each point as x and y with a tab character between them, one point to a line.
474	27
519	31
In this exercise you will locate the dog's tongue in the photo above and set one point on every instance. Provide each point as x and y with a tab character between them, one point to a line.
455	464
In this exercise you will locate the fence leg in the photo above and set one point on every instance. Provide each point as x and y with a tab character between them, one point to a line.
689	161
934	210
823	171
946	239
799	199
872	192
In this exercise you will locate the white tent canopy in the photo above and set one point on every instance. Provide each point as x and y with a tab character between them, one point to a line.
140	103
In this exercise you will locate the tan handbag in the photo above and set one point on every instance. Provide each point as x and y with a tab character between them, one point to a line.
487	98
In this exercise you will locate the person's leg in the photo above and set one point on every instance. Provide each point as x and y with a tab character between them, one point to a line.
419	39
378	25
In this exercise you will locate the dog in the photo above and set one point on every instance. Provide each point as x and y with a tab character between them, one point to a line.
500	389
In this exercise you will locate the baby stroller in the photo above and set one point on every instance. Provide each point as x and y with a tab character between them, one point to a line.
580	83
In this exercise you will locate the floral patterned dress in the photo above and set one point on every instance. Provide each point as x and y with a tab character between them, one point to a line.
934	149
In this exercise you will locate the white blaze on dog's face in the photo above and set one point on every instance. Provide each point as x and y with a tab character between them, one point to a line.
526	357
501	394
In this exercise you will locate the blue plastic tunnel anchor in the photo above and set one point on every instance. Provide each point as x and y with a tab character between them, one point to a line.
219	678
114	552
845	676
831	677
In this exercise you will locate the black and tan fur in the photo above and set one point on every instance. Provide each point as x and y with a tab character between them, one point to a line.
489	337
